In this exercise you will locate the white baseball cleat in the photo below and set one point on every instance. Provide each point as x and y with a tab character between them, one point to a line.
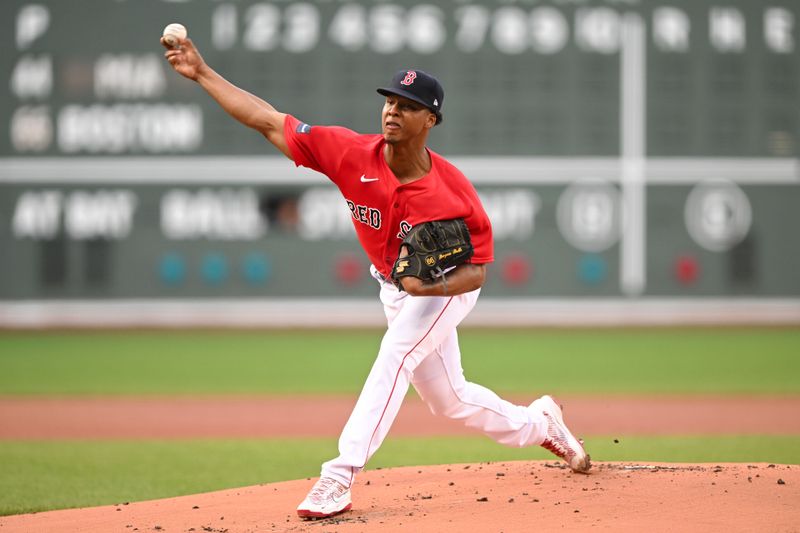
559	439
326	498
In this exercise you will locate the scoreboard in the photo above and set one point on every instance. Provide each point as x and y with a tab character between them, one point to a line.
521	77
624	149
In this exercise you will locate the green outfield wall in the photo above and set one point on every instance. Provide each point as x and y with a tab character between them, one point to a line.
624	149
225	239
522	77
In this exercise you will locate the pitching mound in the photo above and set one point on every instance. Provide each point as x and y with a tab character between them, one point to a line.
513	496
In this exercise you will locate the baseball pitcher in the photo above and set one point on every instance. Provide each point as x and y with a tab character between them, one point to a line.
429	240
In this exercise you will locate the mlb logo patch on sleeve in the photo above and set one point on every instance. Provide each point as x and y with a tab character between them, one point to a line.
303	128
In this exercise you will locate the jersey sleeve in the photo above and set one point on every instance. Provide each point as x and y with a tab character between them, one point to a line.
319	148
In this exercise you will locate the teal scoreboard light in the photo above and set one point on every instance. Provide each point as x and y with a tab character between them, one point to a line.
625	149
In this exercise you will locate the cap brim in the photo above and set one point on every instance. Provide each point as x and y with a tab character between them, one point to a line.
386	91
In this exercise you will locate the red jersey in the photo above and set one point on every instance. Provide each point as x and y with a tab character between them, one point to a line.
383	210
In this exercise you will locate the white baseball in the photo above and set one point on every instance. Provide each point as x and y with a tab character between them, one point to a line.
174	33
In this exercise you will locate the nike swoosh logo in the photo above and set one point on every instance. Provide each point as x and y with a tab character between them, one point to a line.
365	179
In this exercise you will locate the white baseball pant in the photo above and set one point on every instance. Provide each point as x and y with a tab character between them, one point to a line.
420	347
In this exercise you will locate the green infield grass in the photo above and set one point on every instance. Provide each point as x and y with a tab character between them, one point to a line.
45	475
659	360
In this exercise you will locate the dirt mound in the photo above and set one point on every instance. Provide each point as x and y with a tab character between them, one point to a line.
510	496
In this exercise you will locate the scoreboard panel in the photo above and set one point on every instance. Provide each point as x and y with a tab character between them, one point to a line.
524	77
224	239
623	148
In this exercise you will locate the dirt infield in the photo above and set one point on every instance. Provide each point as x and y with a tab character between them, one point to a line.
489	497
240	417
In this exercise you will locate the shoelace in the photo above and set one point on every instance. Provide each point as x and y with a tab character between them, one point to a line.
323	488
556	440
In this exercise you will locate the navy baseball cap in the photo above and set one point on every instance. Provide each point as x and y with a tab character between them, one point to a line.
418	86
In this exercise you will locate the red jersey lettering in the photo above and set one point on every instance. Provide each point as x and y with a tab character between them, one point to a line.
405	227
364	214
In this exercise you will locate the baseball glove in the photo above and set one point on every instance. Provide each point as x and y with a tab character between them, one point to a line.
433	248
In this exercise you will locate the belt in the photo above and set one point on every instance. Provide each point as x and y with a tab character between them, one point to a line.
380	277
